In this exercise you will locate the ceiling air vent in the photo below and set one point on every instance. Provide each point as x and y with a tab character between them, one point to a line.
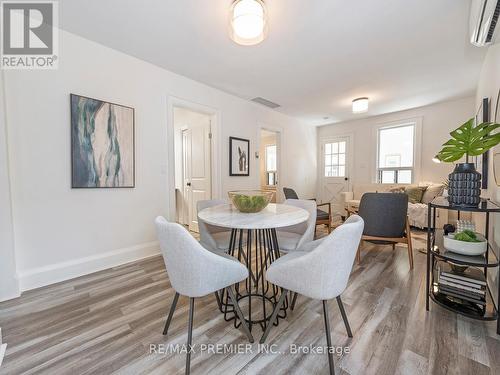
483	21
265	102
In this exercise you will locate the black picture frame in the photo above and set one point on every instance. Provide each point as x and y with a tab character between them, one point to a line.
74	184
242	166
486	155
497	107
496	155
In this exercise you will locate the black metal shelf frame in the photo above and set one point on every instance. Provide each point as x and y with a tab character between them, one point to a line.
434	255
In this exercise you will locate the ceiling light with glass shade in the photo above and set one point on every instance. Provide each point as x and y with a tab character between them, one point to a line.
360	105
248	22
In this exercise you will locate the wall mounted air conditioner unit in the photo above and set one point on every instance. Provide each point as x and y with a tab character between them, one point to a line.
483	21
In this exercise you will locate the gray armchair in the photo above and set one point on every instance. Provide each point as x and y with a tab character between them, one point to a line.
322	217
386	220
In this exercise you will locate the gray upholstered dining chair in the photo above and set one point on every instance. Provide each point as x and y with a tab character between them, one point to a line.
212	238
196	272
322	217
321	273
295	236
386	221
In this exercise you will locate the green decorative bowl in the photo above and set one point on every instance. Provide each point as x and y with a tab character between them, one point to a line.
250	201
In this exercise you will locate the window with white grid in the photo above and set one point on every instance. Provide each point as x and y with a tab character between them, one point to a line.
335	159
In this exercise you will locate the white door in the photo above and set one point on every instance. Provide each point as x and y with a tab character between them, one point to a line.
335	170
196	167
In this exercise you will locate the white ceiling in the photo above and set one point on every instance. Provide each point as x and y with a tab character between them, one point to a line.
319	54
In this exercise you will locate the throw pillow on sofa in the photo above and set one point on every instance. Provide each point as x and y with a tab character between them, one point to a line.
432	192
397	189
415	193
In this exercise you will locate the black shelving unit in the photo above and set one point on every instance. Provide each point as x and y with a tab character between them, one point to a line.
436	253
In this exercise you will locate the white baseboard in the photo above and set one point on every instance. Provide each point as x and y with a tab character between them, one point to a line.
8	296
9	289
54	273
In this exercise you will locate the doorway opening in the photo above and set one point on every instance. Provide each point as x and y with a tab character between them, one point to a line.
193	163
269	155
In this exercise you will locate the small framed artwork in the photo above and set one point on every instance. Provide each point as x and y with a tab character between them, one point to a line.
497	108
482	161
102	144
496	156
239	152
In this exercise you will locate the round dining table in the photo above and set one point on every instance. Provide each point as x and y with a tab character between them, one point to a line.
254	241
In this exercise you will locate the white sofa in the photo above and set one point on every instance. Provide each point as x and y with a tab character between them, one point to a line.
417	212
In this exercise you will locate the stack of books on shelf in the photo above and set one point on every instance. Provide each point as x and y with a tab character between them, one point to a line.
466	287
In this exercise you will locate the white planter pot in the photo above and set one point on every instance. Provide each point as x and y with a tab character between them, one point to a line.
465	248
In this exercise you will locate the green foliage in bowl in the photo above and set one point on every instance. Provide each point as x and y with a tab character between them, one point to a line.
251	202
466	236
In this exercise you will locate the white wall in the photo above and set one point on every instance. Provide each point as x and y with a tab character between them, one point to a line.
62	232
437	121
488	86
8	279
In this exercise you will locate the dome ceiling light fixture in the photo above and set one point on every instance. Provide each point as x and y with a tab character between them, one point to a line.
248	22
360	105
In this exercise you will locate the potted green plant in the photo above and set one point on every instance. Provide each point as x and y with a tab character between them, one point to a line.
464	186
466	242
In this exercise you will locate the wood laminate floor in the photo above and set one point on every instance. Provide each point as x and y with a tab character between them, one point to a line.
106	322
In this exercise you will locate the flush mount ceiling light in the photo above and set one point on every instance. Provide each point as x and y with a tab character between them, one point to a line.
360	105
248	22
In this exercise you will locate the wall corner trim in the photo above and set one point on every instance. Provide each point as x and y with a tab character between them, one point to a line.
10	290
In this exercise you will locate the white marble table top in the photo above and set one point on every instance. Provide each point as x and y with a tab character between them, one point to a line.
273	216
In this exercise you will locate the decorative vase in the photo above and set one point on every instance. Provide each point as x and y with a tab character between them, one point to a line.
464	187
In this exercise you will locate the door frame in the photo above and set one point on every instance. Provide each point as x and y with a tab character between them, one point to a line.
321	159
279	156
168	169
183	215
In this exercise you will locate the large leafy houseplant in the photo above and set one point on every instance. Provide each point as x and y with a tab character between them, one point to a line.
464	186
469	140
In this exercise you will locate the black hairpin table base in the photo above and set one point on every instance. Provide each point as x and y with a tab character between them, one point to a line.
257	249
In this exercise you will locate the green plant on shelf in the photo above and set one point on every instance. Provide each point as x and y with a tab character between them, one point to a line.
467	236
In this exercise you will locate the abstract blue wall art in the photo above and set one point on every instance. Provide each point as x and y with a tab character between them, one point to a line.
102	144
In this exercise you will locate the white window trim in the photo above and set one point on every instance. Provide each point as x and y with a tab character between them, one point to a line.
417	150
350	153
338	153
